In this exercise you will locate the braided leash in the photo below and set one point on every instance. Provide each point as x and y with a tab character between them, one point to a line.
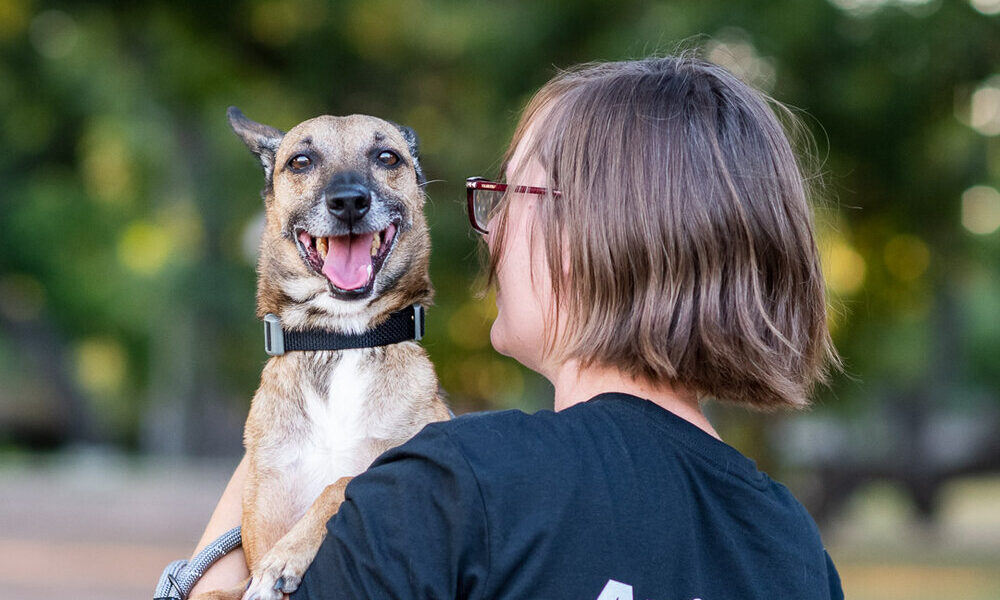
181	575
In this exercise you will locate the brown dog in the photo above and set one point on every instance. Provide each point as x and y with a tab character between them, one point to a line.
345	245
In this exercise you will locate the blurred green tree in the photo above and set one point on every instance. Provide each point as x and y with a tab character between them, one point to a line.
129	211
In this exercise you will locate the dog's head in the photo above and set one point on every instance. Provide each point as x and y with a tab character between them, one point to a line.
345	239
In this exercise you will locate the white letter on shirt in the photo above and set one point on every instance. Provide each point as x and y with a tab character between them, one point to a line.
616	590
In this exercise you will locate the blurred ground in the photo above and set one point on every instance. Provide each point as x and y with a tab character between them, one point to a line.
93	525
883	551
99	527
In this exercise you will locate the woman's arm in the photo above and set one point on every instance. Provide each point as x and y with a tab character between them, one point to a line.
231	569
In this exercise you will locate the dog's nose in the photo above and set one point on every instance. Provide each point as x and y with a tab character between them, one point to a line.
349	202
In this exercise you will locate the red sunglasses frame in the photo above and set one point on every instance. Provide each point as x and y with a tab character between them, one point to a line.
481	183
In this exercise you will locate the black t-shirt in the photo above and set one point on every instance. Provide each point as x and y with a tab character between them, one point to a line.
614	498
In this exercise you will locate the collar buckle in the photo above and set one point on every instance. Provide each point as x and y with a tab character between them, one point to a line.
274	337
418	322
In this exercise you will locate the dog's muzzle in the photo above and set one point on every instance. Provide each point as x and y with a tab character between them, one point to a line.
350	242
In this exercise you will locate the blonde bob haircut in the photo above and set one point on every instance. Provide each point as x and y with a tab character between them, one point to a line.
689	253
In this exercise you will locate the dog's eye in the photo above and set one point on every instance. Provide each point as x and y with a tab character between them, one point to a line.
388	158
299	162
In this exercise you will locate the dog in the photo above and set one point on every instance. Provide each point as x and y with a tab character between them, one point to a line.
345	245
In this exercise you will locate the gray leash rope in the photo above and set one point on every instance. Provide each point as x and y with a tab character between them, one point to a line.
181	575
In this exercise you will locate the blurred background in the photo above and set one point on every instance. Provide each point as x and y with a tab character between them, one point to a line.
129	218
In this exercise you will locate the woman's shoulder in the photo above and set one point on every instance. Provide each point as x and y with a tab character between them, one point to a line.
510	429
476	433
499	422
493	443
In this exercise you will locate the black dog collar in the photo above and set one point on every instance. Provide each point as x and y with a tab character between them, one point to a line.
402	326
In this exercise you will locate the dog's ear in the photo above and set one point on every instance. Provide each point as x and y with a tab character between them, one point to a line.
414	144
262	140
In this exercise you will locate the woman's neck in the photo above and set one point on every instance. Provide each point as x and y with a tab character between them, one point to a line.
574	384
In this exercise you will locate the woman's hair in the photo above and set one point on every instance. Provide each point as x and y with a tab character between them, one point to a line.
681	245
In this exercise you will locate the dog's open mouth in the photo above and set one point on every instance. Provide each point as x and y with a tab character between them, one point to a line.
349	262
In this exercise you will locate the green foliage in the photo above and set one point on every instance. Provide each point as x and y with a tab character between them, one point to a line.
127	210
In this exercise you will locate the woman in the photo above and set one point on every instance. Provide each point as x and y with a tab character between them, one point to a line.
654	250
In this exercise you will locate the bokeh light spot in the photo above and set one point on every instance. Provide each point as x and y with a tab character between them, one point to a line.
984	107
53	33
100	365
859	7
981	209
144	248
843	268
987	7
734	50
906	257
862	8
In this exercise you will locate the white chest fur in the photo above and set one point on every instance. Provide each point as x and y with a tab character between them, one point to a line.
334	442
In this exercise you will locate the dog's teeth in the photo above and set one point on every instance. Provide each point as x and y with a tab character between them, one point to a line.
321	247
376	243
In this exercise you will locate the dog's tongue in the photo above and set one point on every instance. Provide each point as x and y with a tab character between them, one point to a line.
348	263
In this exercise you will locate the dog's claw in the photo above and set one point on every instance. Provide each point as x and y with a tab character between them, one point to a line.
279	585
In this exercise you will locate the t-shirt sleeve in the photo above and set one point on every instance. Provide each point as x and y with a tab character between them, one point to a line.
833	578
412	526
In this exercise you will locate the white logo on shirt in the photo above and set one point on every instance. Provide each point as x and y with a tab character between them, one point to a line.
616	590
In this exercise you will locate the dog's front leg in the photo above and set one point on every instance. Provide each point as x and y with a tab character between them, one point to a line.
281	569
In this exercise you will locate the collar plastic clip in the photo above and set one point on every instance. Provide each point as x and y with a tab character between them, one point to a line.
274	338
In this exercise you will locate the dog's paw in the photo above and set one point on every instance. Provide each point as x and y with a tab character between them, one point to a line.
280	571
277	575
